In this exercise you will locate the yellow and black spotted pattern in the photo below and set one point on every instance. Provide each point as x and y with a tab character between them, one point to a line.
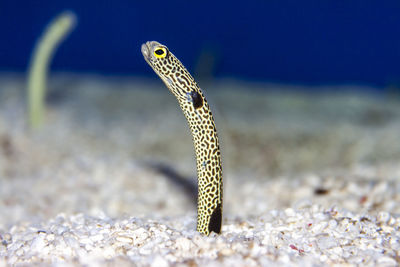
201	122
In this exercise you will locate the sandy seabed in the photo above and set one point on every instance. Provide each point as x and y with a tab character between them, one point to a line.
311	179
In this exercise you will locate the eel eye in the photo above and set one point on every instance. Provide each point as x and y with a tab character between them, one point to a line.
160	52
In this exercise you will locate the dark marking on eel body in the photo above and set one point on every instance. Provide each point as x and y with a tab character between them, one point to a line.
197	100
215	221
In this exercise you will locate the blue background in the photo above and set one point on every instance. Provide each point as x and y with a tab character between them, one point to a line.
306	42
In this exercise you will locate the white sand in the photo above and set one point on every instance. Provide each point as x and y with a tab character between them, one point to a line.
309	180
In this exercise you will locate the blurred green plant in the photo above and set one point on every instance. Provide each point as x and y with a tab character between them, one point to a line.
55	33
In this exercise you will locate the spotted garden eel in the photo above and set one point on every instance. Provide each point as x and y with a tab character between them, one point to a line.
201	122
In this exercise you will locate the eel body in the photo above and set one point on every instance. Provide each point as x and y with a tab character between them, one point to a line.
201	122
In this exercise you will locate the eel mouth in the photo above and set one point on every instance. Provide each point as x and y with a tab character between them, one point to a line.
146	51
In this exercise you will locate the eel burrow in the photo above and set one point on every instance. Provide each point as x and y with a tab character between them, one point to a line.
201	122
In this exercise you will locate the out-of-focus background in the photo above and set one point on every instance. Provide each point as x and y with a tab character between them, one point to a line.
296	42
295	88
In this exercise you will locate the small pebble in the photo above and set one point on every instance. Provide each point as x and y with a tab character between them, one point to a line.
124	239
